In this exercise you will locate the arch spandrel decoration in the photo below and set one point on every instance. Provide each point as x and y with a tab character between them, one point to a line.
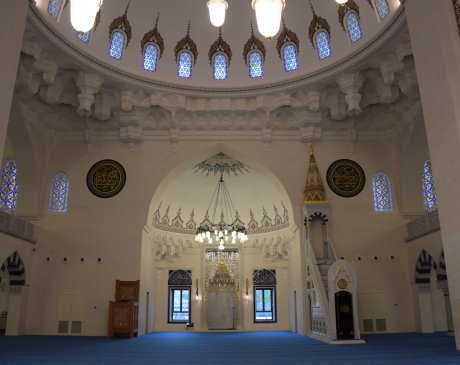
264	277
180	278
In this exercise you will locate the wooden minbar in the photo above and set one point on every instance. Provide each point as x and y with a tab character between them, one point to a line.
123	312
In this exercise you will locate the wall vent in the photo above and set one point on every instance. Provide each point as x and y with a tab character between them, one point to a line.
75	329
63	327
381	325
368	325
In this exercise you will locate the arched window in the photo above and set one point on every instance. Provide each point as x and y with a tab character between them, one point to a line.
150	57
383	199
264	283
256	64
219	66
84	37
382	8
8	186
290	57
117	44
429	193
323	46
353	26
179	303
54	8
59	193
184	65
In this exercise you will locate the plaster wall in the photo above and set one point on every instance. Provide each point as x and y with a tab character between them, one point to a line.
113	229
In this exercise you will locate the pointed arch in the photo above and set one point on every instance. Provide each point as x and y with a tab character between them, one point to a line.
220	66
423	268
184	64
16	269
150	59
8	186
428	186
383	197
323	44
117	44
256	64
59	193
290	60
353	26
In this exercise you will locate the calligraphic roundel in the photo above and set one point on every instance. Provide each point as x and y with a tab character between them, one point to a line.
106	178
346	178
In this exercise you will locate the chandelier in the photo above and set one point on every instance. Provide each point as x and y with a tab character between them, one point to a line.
229	229
224	226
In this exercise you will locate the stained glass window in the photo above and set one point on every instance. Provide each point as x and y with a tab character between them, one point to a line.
54	7
59	193
8	186
84	36
382	8
290	57
354	29
117	44
150	57
220	67
184	67
429	193
383	200
323	46
255	64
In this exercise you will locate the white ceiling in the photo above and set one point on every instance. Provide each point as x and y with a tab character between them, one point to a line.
174	16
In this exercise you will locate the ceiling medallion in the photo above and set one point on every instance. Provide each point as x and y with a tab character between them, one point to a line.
106	178
346	178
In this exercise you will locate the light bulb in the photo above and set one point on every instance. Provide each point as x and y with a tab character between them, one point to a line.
217	10
83	14
268	14
341	2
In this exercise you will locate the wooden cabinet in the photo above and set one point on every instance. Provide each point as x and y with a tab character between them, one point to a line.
123	312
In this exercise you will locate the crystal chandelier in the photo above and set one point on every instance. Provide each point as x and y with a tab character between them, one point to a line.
268	14
217	10
83	14
229	229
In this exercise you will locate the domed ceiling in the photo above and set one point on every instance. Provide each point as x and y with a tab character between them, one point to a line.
173	20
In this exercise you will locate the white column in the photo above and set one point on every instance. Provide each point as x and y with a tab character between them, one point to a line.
436	46
12	24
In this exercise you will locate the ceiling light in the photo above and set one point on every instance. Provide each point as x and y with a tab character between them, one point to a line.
83	14
268	14
341	2
217	10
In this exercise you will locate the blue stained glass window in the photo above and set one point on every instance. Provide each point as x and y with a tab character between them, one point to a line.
383	199
117	44
54	7
84	37
429	193
59	193
290	57
220	67
323	46
255	64
8	186
354	29
184	67
150	57
382	8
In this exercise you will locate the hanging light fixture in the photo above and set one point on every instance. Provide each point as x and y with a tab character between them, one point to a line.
268	14
83	14
341	2
229	229
217	10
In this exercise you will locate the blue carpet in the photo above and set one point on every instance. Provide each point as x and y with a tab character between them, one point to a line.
251	348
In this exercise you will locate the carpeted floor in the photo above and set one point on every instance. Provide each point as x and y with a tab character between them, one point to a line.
251	348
